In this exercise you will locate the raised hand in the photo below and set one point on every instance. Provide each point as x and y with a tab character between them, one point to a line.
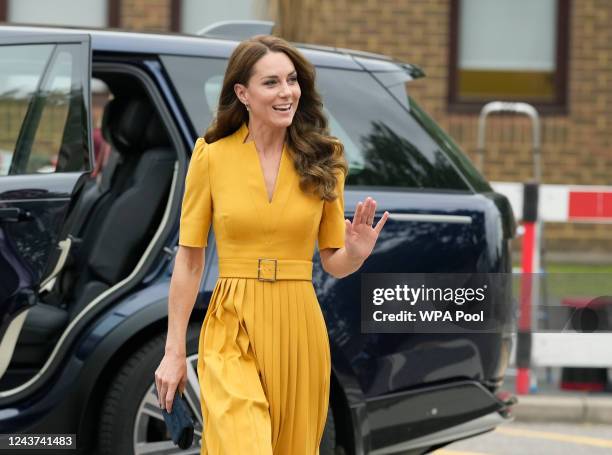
361	235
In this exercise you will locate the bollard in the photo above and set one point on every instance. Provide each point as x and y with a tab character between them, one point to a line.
530	240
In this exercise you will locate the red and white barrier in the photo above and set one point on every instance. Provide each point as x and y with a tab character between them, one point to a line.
563	203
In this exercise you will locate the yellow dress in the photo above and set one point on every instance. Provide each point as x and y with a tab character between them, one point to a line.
264	361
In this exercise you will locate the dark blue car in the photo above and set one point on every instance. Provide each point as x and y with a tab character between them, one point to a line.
96	131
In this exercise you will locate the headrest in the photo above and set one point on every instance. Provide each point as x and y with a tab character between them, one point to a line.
124	123
132	125
156	134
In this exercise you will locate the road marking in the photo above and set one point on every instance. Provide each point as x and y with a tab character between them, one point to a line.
586	440
455	452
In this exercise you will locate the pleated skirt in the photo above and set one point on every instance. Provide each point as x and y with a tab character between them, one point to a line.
264	369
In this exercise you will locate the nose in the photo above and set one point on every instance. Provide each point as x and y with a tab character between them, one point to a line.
285	91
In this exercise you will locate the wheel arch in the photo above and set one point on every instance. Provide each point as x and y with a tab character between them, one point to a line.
341	412
113	351
135	331
348	405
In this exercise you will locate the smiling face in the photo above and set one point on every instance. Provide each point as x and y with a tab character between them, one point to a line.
273	91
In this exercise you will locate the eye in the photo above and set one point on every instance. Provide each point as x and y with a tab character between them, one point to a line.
293	79
270	82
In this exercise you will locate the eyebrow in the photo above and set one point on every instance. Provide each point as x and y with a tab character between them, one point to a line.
273	76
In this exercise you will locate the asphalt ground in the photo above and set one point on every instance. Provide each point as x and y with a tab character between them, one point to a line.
534	438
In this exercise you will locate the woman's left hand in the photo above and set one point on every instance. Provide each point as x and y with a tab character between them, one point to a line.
361	236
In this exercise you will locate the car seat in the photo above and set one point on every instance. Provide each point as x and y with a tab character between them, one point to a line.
110	223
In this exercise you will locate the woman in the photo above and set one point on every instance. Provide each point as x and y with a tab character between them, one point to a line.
270	179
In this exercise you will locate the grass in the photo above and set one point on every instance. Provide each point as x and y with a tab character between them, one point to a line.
576	280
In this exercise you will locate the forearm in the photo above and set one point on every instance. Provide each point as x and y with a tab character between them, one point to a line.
184	287
340	264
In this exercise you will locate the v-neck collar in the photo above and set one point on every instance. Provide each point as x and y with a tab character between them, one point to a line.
243	133
269	212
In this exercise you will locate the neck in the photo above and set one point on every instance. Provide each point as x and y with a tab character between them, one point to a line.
267	139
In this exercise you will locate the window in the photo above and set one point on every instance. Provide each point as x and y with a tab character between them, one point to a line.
386	144
198	81
511	51
42	104
91	13
20	73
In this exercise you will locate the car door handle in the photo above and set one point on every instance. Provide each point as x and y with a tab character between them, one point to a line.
14	215
431	218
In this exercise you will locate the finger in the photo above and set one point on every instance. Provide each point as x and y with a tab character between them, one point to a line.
372	213
357	214
157	386
381	222
362	213
368	210
170	397
349	226
162	395
182	386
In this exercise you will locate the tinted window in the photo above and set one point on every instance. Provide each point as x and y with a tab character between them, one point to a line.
385	144
396	83
468	170
198	81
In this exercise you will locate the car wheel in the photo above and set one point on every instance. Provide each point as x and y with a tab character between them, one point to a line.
131	421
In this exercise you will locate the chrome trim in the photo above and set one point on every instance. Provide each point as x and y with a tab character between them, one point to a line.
431	218
38	199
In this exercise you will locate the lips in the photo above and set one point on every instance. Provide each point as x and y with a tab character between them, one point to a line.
282	107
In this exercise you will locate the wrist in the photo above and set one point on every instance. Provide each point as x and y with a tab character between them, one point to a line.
175	351
353	259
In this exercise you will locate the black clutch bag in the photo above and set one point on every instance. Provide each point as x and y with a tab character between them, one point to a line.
179	422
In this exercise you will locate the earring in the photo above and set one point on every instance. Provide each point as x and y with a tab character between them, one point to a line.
247	106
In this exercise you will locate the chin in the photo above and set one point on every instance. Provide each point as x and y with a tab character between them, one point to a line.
282	123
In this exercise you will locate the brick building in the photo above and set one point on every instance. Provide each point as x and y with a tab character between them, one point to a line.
557	52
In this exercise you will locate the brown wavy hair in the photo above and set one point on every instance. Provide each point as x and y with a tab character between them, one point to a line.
317	156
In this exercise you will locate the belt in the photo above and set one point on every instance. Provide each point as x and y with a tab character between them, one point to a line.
265	269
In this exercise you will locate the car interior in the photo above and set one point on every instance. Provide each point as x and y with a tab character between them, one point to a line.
111	219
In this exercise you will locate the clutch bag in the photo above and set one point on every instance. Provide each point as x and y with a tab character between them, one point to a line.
179	422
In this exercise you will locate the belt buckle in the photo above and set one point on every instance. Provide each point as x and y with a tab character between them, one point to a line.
259	277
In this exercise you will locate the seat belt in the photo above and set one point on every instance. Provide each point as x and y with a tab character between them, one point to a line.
47	283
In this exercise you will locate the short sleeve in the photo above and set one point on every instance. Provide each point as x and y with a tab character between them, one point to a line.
332	227
196	209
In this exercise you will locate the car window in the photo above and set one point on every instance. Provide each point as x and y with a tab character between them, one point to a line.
384	143
198	81
20	71
395	150
41	102
398	85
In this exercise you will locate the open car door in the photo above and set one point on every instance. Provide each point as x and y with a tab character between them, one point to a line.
45	152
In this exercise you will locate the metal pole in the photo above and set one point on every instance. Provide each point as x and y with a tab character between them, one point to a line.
533	233
516	108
